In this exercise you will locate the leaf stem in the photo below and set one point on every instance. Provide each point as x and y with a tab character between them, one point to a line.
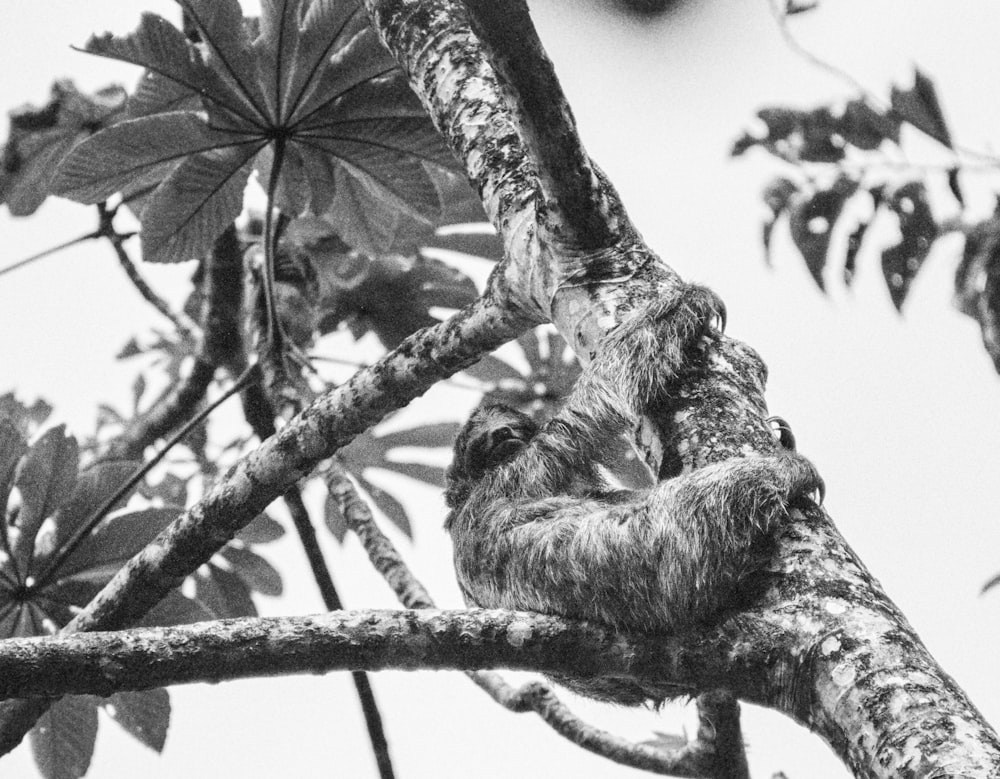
270	250
85	529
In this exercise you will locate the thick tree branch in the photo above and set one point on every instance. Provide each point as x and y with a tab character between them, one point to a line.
142	658
580	213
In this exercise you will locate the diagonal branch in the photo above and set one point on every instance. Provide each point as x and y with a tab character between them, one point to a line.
580	212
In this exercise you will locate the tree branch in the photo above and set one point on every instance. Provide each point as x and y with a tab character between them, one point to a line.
580	213
178	319
224	650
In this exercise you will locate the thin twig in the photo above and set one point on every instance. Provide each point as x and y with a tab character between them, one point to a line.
47	252
781	19
184	324
164	416
220	345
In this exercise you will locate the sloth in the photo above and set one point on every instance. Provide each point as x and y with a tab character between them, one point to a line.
536	527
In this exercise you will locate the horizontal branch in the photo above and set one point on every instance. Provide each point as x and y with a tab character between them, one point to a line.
142	658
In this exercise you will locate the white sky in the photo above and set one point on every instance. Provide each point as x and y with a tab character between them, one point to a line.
900	414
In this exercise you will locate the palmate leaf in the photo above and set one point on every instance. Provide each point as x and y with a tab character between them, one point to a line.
107	162
198	200
311	82
50	575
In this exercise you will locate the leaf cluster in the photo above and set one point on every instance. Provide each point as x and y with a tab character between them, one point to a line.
856	140
64	533
306	91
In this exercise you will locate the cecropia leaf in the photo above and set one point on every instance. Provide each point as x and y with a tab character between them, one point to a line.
125	154
203	195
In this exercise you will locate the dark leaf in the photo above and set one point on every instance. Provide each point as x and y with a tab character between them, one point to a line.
821	140
11	618
223	593
27	419
135	150
793	7
94	485
45	479
671	741
920	107
117	539
388	505
902	262
812	219
33	621
435	435
199	199
334	519
493	370
979	266
160	47
156	93
357	141
261	530
62	740
61	600
550	377
854	241
12	449
780	122
258	574
230	57
778	193
40	137
171	489
955	185
389	294
176	609
485	244
865	127
144	715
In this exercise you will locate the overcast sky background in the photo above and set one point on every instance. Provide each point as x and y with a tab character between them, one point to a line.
899	413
